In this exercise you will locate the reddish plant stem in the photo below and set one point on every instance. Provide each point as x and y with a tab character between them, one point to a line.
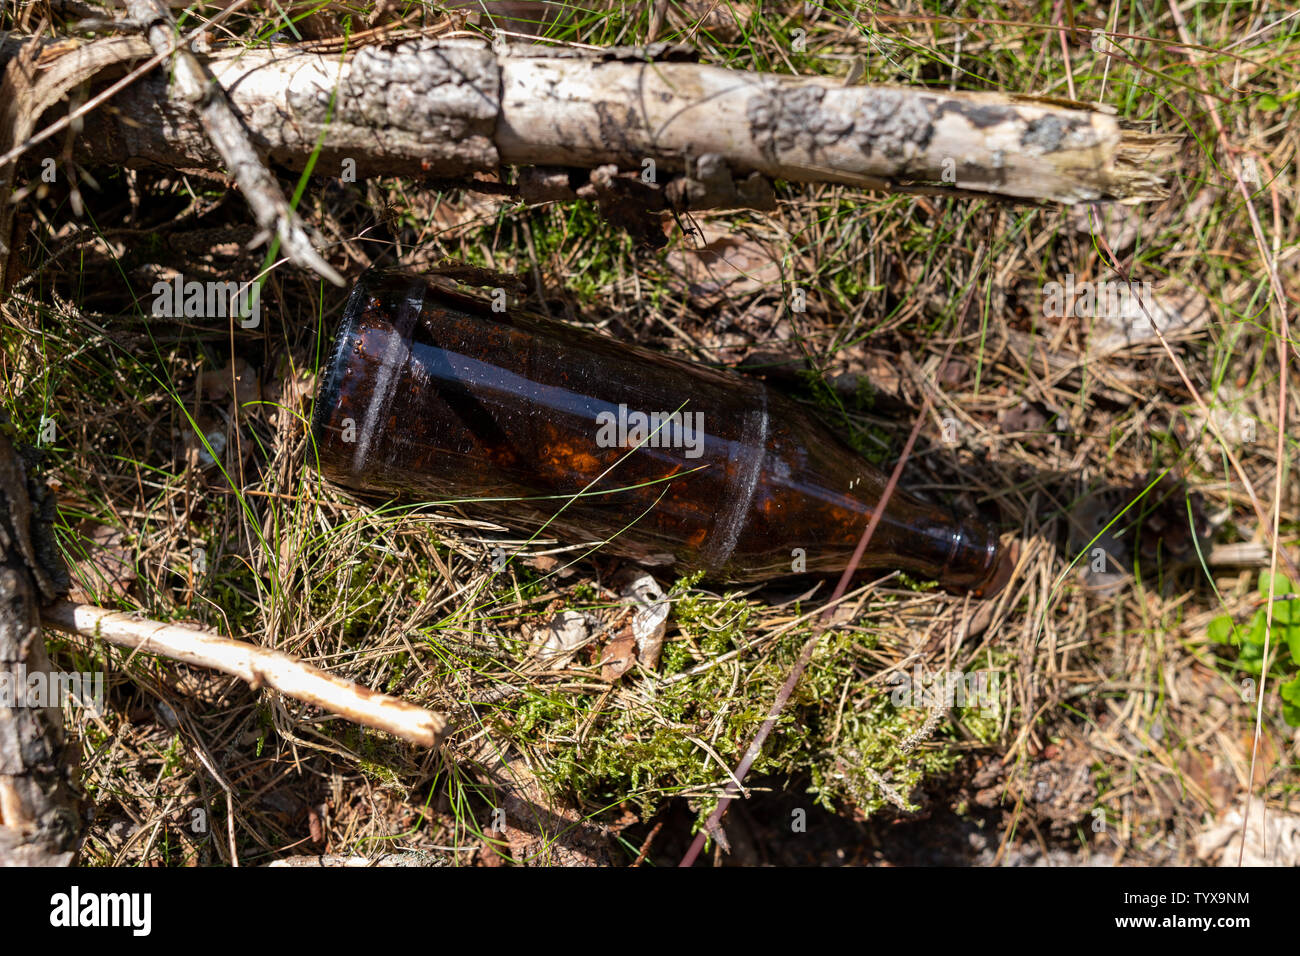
805	655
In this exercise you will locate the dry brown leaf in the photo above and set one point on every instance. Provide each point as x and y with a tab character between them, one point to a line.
618	657
560	637
1177	311
238	373
724	22
726	266
106	571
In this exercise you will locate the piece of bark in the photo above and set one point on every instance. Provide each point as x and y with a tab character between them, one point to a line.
649	619
339	860
40	823
710	185
628	202
451	108
589	111
538	830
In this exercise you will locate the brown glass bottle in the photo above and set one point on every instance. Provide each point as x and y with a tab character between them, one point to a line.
431	395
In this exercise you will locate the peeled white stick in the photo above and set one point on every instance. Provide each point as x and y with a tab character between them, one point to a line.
256	665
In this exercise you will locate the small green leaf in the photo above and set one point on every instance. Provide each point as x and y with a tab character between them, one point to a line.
1222	630
1291	702
1269	103
1251	658
1291	634
1258	628
1286	627
1287	612
1291	690
1281	584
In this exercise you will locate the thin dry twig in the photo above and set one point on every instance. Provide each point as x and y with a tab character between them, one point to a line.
197	86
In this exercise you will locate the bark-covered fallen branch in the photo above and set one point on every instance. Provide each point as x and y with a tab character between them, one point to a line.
40	823
452	108
258	666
